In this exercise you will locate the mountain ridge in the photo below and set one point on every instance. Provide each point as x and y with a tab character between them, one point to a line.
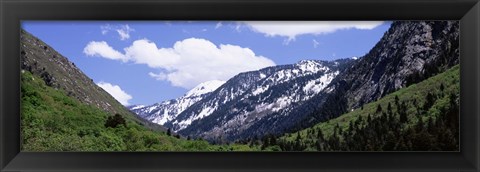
58	72
255	103
168	110
263	87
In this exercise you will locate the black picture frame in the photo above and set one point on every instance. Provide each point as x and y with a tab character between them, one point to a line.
466	11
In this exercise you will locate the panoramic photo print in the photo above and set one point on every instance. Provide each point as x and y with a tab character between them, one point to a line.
240	86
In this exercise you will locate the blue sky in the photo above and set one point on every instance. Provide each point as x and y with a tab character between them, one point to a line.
152	61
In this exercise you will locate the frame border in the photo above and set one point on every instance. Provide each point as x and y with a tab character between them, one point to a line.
12	12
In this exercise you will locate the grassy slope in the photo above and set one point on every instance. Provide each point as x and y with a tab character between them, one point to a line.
450	80
53	121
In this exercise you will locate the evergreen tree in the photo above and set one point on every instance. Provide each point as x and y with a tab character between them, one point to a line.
379	108
389	108
397	100
169	132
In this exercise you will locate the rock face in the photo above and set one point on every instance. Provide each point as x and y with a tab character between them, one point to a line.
408	53
58	72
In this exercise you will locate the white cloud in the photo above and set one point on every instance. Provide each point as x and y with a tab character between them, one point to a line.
117	92
315	43
102	49
159	76
219	24
237	28
105	29
291	29
122	30
193	61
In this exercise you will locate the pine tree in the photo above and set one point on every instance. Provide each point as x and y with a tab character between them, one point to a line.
389	108
403	117
379	108
273	140
169	132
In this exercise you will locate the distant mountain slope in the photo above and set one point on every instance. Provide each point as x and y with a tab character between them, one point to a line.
409	52
58	72
167	111
255	101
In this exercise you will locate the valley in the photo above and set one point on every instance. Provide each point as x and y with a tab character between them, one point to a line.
403	95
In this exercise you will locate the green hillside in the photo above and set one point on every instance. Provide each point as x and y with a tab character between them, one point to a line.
423	116
58	72
53	121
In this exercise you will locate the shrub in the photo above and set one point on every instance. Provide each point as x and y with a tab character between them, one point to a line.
114	121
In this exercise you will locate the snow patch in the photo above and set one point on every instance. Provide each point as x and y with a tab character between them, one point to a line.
185	123
260	90
315	86
137	107
262	75
163	118
281	103
204	88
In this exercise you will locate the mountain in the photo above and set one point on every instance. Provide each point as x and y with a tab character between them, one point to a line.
409	52
251	101
64	110
58	72
420	117
287	98
166	111
53	121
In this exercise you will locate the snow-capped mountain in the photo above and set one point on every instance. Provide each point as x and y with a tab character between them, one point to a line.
256	98
166	111
286	98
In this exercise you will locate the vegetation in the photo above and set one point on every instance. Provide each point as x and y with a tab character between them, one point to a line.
53	121
114	121
421	117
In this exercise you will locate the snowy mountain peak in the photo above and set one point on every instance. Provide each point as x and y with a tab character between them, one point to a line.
311	66
168	110
307	62
354	57
205	87
135	107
